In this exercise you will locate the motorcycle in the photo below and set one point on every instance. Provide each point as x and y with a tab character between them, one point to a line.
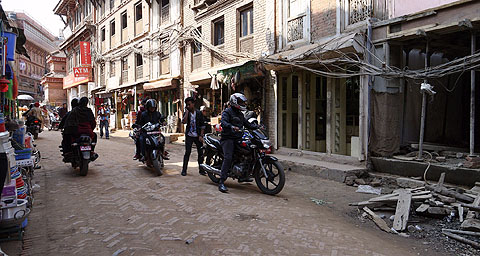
82	154
34	126
54	122
250	160
154	145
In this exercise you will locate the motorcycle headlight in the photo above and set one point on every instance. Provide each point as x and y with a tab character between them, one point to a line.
266	143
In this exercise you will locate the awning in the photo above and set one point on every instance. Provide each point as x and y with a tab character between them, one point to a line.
104	94
203	77
160	85
326	49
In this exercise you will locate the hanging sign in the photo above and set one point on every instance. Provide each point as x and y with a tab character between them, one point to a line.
81	72
85	54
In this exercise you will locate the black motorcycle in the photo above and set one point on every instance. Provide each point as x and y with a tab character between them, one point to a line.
250	160
82	154
154	145
34	126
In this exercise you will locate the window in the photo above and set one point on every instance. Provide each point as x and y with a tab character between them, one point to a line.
102	34
297	22
246	22
112	28
112	68
218	32
138	11
164	11
124	64
77	58
124	20
138	60
165	57
112	4
197	46
102	8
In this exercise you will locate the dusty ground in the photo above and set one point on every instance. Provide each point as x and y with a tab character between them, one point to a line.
121	208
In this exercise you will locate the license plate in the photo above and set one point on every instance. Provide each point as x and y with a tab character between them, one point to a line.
85	148
154	132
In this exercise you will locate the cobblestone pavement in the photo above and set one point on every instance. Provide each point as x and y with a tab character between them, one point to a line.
122	208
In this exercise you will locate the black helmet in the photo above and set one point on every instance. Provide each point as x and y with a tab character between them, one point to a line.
151	103
238	101
74	102
83	102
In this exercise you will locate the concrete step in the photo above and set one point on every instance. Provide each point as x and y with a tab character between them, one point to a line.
316	168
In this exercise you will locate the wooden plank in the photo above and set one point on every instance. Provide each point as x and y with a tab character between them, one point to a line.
414	198
471	213
471	207
462	239
422	208
463	232
460	211
378	221
440	183
446	192
403	210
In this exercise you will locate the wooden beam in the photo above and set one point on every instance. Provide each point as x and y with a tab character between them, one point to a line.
402	211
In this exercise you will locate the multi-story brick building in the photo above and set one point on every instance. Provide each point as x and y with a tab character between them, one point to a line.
136	59
52	82
80	17
229	37
40	42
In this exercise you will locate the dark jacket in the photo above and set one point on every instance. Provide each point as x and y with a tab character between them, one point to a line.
62	112
64	119
152	117
232	117
80	120
199	123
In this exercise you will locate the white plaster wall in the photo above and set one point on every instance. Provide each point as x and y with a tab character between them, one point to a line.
404	7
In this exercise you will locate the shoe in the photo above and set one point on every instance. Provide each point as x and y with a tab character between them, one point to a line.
184	173
165	156
142	158
240	180
136	157
222	188
202	172
107	138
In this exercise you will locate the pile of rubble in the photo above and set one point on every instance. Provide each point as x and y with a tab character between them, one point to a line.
418	198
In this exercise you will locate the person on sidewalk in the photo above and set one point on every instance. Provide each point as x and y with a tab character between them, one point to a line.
232	122
193	133
104	115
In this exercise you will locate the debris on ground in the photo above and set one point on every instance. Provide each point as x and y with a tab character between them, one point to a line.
455	210
369	190
319	201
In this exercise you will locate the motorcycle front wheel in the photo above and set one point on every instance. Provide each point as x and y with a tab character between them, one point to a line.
275	181
215	161
157	166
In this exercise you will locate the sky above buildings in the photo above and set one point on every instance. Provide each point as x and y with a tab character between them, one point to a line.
40	10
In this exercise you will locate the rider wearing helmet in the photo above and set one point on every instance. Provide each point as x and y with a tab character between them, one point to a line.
232	122
67	133
151	115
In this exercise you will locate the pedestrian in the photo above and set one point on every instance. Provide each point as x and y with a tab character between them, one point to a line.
63	110
206	118
104	115
193	133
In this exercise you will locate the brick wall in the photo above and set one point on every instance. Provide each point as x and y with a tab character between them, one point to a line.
323	18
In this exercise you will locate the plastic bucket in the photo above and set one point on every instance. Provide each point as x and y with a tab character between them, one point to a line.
11	41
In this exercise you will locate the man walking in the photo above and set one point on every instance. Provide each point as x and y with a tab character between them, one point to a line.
193	133
104	114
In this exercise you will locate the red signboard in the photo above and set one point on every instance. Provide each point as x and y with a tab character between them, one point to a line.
72	81
85	54
81	72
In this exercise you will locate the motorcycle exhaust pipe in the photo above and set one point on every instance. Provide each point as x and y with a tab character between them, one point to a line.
210	169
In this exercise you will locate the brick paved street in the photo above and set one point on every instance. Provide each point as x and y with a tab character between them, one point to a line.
121	208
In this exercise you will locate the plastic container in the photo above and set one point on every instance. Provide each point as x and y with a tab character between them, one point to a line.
11	42
15	212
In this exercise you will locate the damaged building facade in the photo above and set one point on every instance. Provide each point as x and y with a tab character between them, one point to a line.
426	39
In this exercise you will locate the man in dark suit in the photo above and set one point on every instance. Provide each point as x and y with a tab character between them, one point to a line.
193	133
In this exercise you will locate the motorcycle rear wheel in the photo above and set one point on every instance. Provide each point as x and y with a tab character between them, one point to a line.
276	184
84	167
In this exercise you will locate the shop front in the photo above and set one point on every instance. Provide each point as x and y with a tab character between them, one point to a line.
76	86
166	93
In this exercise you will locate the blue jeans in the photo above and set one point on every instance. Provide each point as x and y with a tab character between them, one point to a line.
104	123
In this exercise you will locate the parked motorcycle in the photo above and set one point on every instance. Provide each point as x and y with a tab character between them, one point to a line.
250	160
34	126
82	154
154	145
